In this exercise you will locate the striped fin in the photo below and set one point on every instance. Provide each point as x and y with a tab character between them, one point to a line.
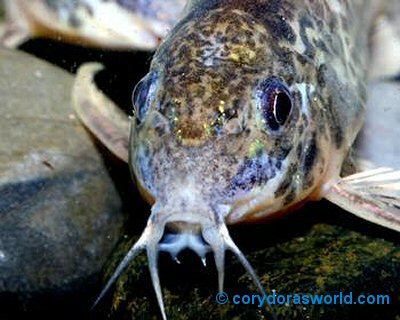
373	195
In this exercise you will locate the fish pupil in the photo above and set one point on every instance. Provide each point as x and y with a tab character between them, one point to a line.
276	103
282	107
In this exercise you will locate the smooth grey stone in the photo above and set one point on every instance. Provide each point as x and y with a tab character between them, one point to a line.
59	211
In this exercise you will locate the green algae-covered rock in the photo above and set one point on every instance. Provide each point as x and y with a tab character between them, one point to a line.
319	250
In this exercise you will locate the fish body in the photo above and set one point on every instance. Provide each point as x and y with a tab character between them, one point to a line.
248	111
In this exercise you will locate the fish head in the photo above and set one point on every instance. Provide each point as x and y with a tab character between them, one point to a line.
223	124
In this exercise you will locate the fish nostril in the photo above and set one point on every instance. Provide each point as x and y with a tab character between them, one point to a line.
233	126
160	123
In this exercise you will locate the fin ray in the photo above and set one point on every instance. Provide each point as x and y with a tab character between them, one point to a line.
373	195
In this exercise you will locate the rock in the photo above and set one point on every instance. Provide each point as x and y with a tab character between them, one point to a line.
319	250
59	211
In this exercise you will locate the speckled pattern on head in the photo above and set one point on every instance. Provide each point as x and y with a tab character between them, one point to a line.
204	144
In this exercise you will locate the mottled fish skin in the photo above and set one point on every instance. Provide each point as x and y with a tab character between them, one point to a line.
113	24
203	148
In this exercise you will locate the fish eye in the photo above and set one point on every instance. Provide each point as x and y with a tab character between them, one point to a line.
142	95
275	103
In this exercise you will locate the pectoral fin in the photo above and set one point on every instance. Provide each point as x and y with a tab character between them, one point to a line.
99	114
373	195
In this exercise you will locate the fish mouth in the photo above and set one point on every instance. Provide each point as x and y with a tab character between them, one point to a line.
174	242
201	237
